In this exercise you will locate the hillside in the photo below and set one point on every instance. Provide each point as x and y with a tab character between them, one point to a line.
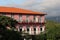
53	30
55	18
52	25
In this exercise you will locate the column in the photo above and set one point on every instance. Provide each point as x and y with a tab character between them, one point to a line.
43	28
24	29
38	29
37	18
31	30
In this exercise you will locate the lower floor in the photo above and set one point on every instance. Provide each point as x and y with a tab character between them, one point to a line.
32	30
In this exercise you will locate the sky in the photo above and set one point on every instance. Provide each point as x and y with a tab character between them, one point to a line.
51	7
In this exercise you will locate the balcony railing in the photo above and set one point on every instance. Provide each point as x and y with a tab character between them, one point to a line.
31	21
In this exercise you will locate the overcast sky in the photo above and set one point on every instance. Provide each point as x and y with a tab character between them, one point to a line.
51	7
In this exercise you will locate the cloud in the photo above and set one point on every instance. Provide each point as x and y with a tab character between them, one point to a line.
50	6
28	2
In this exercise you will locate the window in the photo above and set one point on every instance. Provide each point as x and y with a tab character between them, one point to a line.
27	16
40	19
4	14
34	18
28	29
41	29
34	29
20	29
12	15
26	19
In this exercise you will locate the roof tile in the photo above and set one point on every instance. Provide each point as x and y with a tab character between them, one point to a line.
18	10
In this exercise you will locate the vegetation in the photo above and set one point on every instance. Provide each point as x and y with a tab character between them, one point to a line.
7	22
52	30
6	34
10	35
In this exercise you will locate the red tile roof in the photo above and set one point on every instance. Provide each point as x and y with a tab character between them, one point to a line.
18	10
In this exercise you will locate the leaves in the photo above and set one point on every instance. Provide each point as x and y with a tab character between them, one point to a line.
7	21
52	32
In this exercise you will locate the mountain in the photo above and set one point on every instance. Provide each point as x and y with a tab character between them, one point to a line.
55	18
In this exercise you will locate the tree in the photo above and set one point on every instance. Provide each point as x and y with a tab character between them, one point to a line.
7	21
52	29
10	35
41	36
6	34
52	32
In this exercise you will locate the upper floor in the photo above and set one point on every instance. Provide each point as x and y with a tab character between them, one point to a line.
26	18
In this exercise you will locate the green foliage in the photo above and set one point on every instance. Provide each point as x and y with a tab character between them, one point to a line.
7	21
52	32
6	34
10	35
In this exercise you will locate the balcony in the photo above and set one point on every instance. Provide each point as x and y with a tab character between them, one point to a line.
31	21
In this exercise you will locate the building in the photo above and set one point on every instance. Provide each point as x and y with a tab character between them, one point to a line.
29	21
